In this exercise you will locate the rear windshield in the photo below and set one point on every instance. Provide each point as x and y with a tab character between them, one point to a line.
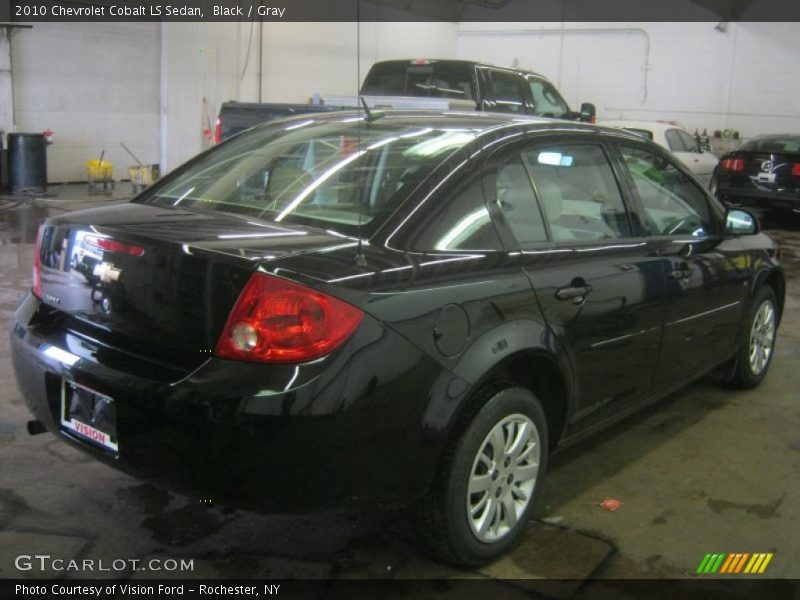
439	79
322	173
789	144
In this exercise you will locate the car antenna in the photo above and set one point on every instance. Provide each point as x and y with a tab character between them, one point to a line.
370	117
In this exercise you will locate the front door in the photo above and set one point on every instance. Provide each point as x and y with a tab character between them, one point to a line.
599	284
706	276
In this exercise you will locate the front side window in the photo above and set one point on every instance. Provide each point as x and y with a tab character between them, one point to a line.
674	141
689	142
578	192
672	203
509	95
342	175
547	102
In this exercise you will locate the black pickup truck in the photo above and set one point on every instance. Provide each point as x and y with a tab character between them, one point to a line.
427	84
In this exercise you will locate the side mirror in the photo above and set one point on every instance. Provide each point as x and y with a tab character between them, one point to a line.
740	222
588	113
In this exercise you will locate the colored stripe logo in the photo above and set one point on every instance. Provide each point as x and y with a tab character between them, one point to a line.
735	563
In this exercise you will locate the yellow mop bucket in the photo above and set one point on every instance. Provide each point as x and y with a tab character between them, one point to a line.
99	170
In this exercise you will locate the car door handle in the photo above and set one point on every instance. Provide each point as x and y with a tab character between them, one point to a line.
683	272
576	293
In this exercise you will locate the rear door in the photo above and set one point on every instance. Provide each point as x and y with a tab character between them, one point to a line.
707	275
599	284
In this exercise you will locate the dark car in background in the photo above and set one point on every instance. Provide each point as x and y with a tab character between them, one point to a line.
404	308
423	83
483	86
763	174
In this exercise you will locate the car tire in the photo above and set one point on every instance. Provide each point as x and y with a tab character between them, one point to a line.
757	340
460	528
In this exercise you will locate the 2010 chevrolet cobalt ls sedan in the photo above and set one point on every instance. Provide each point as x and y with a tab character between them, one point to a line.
395	308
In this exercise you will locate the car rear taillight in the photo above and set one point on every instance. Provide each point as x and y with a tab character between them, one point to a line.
218	131
113	245
796	170
36	280
278	321
732	164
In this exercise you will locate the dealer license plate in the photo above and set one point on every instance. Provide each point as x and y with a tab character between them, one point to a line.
89	415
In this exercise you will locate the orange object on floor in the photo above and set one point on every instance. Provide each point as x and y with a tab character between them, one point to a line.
610	504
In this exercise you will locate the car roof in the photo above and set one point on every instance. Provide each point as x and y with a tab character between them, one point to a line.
639	124
775	136
482	122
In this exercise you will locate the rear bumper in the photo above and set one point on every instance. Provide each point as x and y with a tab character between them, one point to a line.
350	427
758	199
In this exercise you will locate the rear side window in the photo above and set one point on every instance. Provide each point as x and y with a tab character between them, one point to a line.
509	93
578	192
516	199
672	203
460	223
438	79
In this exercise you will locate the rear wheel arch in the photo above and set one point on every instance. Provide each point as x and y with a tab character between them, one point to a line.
533	369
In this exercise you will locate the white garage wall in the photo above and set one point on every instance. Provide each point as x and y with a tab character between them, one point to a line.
299	59
199	61
303	58
745	78
94	86
142	83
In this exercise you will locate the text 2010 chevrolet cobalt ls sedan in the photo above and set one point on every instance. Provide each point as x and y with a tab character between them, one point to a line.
403	308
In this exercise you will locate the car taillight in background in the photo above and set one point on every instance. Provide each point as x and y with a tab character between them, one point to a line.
36	280
218	131
278	321
796	170
732	164
110	245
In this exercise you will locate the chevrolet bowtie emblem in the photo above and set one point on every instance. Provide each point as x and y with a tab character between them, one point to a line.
107	272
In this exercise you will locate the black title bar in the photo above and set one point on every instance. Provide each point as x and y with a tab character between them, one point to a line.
33	11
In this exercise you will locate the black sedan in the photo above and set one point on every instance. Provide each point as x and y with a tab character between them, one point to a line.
763	174
395	308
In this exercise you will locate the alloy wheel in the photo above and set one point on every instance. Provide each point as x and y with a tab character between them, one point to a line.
503	478
762	337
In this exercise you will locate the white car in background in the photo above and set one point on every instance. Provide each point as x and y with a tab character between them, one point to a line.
678	141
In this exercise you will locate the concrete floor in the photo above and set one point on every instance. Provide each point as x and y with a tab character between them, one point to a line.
707	470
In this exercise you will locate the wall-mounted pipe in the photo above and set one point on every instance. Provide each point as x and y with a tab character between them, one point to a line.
579	30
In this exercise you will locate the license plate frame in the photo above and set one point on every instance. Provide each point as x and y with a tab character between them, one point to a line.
766	177
89	416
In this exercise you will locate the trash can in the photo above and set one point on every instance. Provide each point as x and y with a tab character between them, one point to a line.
27	162
3	165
